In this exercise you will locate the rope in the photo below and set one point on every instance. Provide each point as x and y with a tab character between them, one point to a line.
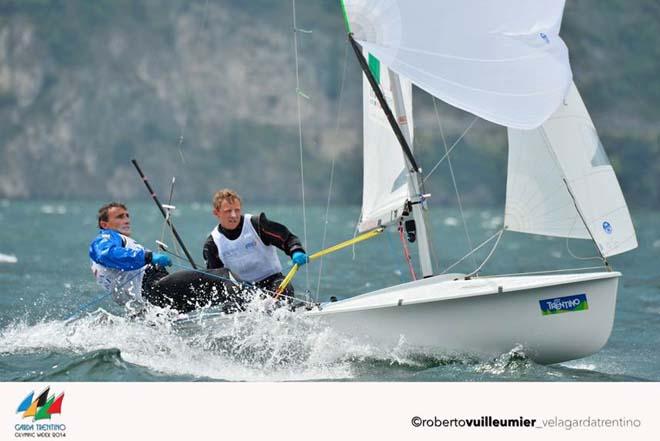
568	248
453	177
98	299
332	173
406	252
300	134
473	251
476	271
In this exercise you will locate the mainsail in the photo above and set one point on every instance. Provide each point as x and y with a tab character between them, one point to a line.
385	184
501	60
560	168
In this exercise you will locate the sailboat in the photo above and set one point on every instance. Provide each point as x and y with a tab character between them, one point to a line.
506	63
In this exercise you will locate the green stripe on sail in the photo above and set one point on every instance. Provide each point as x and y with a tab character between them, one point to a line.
374	67
343	8
42	413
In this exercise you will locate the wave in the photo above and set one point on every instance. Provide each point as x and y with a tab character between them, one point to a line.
263	344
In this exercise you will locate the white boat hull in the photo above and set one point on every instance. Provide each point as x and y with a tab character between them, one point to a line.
485	317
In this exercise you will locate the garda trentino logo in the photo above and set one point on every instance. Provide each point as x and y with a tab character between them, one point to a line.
558	305
41	408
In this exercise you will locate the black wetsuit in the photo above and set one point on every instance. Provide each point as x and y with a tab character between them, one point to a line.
187	290
270	233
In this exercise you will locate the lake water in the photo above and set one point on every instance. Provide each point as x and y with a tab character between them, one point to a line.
51	280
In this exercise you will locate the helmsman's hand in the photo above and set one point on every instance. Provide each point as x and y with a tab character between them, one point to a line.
161	259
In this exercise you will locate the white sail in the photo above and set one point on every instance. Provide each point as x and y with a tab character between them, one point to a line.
500	60
561	157
385	184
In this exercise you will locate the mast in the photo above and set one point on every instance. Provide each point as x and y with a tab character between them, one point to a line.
419	206
383	104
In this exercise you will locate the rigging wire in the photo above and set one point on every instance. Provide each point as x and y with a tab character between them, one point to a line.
476	271
497	234
453	177
184	126
428	175
549	271
167	219
300	134
332	171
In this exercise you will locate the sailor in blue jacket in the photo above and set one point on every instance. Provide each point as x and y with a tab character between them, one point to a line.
136	276
119	263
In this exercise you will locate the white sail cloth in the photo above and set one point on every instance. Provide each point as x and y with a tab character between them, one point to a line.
565	154
385	182
500	60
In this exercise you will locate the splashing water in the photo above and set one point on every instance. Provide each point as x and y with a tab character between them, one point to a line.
261	344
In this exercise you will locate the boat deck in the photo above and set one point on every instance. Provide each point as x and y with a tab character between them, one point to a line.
447	287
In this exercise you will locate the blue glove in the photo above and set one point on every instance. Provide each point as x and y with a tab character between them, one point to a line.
161	259
299	258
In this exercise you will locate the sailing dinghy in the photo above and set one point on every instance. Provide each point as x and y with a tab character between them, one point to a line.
504	62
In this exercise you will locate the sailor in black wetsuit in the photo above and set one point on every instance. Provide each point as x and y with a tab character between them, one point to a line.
246	244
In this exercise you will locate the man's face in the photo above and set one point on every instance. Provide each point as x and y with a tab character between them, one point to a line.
118	220
229	214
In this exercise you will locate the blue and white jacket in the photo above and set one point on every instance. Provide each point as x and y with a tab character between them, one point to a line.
118	264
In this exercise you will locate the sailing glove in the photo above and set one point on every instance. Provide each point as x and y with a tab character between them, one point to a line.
161	259
299	258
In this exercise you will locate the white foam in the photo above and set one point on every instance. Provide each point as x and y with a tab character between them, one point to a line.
53	209
278	346
8	258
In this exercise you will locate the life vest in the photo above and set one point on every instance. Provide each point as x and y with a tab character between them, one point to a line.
124	285
247	256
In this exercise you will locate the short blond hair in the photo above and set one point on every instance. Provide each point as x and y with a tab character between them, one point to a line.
225	195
